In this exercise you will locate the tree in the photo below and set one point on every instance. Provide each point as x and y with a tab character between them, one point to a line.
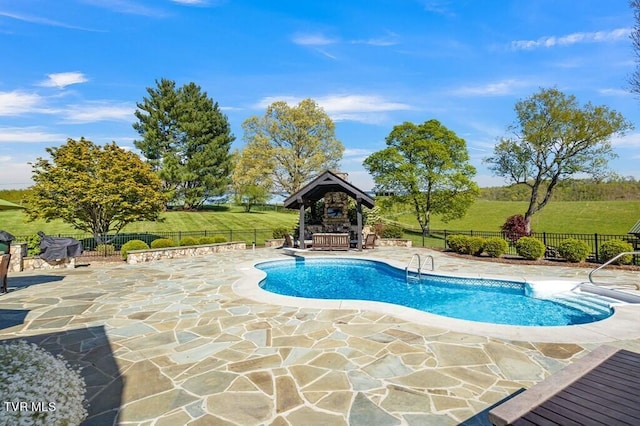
187	140
555	138
96	189
427	166
251	183
293	144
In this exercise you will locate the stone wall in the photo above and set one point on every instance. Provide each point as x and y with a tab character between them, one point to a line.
393	242
18	253
149	255
33	263
336	205
278	242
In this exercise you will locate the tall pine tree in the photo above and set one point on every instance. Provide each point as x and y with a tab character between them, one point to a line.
187	140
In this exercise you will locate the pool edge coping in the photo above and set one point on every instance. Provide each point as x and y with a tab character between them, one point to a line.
621	325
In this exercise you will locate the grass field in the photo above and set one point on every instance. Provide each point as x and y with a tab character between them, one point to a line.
588	217
234	218
602	217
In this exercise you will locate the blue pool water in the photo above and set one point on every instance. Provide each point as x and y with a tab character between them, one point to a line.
484	300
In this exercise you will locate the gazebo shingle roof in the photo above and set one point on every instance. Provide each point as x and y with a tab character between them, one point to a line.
326	182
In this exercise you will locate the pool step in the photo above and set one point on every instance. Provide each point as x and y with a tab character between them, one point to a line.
587	303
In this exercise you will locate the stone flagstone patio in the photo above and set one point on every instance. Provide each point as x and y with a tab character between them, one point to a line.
170	342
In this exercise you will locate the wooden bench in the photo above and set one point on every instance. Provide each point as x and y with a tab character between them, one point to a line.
330	242
600	388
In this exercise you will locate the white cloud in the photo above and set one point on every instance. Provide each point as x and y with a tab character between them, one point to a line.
630	140
614	92
570	39
64	79
313	40
19	102
15	135
344	107
127	7
99	111
42	21
500	88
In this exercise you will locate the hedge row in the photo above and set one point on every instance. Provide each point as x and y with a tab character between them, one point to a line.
531	248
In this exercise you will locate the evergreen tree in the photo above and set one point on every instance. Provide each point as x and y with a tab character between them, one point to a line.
187	140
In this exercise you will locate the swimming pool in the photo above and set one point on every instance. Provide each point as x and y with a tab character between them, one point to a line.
481	300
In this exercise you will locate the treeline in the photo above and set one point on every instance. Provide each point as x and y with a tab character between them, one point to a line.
571	190
17	196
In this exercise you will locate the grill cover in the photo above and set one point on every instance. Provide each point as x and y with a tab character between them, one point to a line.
56	248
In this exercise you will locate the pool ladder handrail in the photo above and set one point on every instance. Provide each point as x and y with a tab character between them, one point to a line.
420	264
608	262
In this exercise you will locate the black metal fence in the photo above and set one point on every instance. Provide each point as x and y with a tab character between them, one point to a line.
551	241
115	241
435	238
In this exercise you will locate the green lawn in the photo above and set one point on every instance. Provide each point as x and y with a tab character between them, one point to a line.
14	221
602	217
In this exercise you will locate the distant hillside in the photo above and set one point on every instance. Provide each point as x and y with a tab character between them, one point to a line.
627	189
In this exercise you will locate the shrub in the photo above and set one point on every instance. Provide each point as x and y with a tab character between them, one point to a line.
206	240
162	243
530	248
458	243
188	241
495	246
389	231
574	250
105	249
219	239
33	245
610	249
475	246
29	373
280	232
132	245
514	228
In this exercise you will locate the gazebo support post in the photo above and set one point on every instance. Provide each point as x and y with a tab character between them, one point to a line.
359	221
301	226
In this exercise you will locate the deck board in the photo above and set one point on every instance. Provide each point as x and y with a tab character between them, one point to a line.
604	395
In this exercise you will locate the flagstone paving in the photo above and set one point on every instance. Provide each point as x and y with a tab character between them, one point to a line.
170	342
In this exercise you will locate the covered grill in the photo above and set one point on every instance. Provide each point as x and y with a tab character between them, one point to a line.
57	248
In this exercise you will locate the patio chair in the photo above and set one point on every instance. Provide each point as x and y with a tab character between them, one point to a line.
288	241
370	241
4	270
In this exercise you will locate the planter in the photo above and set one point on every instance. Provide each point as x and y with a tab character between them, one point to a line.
394	242
149	255
277	242
34	263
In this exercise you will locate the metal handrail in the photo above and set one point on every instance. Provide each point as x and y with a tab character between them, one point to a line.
613	259
406	269
433	267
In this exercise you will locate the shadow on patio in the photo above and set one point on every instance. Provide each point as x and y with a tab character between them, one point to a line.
89	349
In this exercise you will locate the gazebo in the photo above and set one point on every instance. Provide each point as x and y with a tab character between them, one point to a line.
336	191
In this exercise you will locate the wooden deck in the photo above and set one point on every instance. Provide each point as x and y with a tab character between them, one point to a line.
602	388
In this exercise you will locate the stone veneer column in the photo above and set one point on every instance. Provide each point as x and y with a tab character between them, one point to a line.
18	252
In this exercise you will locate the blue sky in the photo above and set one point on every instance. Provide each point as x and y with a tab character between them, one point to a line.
73	68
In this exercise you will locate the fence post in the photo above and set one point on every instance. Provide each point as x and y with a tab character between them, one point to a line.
255	236
423	237
544	238
595	238
230	235
445	239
